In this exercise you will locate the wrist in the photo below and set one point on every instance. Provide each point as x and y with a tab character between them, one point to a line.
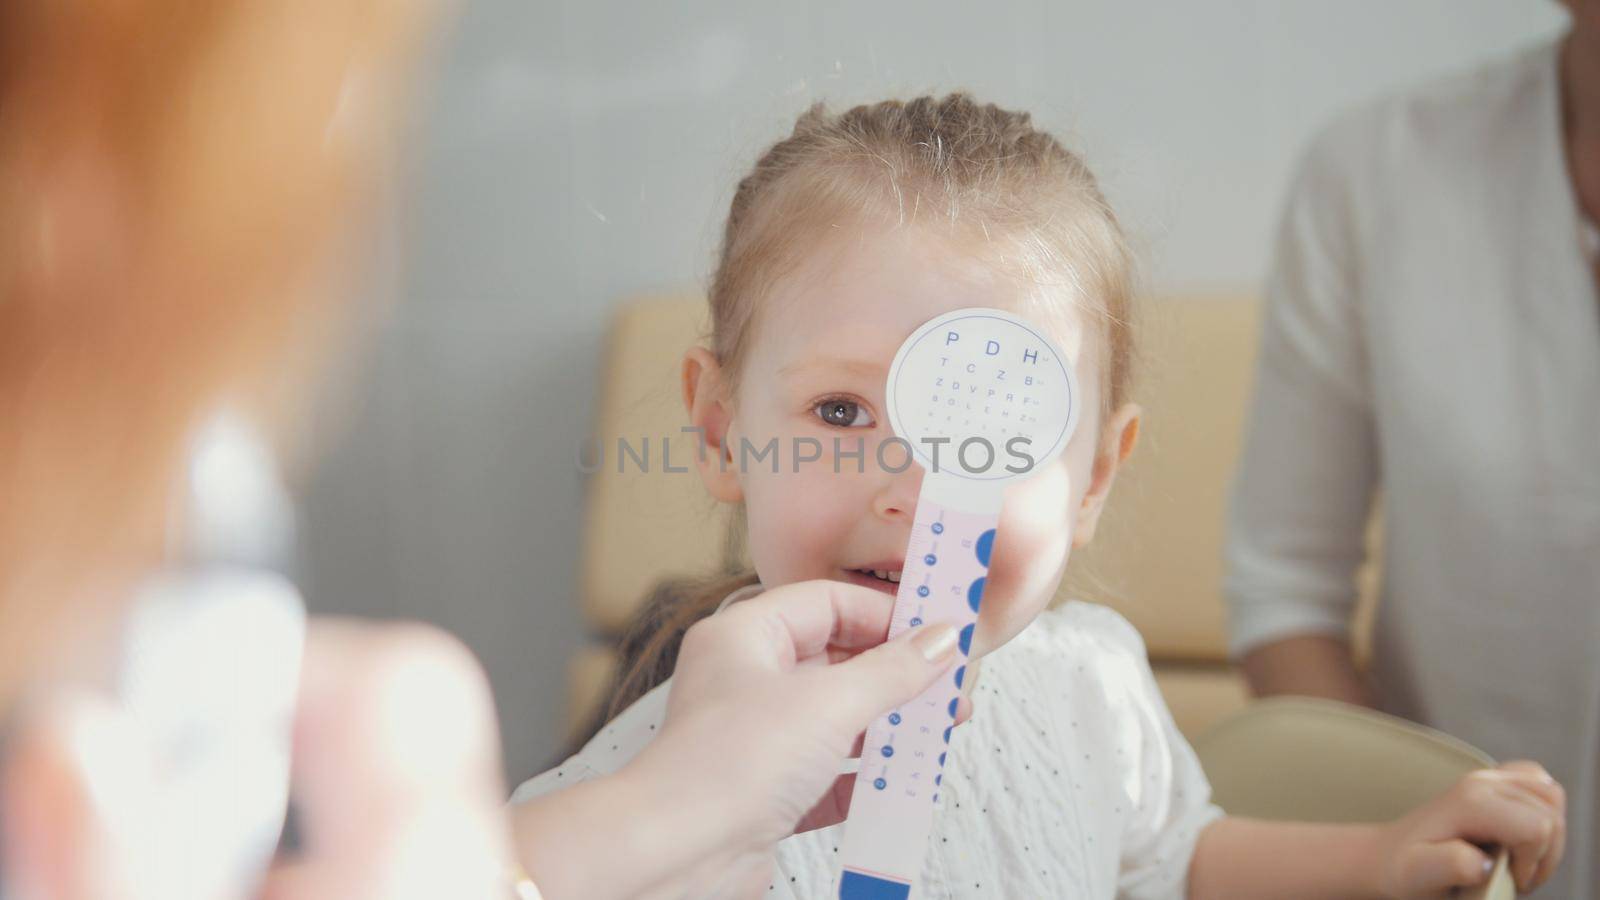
686	828
1376	843
611	837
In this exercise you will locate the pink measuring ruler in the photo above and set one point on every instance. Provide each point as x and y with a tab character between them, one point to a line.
984	400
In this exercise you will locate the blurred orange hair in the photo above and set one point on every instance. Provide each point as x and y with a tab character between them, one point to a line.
175	176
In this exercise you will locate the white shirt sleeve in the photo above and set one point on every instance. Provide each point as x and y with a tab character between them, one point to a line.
1303	490
1167	795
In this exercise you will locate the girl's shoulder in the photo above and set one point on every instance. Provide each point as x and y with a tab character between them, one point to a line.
1074	655
1078	626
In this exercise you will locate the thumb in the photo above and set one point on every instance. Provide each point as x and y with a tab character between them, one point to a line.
1434	868
892	673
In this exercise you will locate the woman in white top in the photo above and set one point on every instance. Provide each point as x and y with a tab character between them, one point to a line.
1432	330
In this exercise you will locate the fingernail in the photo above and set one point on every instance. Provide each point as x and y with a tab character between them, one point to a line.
937	642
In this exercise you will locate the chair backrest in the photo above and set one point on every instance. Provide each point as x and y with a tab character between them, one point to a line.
1158	556
646	520
1322	761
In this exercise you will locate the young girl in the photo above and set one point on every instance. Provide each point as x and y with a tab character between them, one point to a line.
1070	780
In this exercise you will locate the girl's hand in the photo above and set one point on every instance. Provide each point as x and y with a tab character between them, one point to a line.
1438	847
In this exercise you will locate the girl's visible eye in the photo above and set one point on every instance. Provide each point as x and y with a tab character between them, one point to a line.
843	413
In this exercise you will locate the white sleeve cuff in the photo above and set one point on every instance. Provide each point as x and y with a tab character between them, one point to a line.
1254	623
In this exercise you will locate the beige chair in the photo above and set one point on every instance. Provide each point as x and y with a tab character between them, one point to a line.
1158	559
1321	761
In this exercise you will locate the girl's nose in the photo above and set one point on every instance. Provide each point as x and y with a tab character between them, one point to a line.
896	499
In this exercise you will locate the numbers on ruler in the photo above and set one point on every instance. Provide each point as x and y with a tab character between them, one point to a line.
909	772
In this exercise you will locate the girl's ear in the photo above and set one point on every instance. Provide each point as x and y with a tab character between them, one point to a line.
705	397
1120	434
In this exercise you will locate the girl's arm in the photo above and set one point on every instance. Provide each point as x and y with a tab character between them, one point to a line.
1424	854
1246	858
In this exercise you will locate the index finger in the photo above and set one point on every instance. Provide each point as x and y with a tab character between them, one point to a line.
811	616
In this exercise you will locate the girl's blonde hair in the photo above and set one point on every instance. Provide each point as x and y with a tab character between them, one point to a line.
968	170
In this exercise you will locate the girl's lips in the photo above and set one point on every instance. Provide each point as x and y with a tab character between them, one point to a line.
854	577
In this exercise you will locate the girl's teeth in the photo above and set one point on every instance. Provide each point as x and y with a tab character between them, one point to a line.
894	577
883	575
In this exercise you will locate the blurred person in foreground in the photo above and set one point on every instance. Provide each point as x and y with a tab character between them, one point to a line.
180	184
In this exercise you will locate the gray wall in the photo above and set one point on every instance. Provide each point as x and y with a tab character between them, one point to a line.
572	153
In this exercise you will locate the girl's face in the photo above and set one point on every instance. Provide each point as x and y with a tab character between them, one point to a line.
813	379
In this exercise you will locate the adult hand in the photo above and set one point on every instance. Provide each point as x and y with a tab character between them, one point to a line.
396	778
769	697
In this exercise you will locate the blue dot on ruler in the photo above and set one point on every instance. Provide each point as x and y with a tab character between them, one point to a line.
941	760
947	734
887	751
985	547
961	675
930	559
922	590
915	621
975	594
966	639
857	886
894	718
938	528
937	780
954	702
880	784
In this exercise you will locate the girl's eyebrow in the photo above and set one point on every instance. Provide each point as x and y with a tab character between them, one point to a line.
835	365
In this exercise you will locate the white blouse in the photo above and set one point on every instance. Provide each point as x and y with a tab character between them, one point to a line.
1432	328
1070	780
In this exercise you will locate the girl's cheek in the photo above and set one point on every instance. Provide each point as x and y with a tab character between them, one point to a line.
779	526
794	521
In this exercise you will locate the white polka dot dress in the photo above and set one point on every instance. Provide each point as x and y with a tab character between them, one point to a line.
1071	779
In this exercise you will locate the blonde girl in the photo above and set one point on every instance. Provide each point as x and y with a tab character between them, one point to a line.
1071	779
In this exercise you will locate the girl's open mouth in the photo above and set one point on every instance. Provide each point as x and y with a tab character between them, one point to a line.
886	580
